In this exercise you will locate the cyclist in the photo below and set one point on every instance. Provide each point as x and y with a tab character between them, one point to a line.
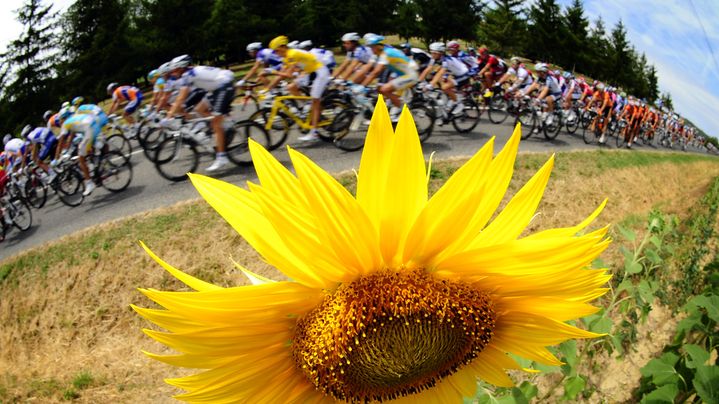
549	90
323	55
218	85
448	65
158	87
121	94
94	110
391	59
420	57
357	56
318	78
602	99
464	57
15	152
89	128
523	77
266	62
77	101
43	145
491	69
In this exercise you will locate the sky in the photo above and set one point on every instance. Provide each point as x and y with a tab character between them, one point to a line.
670	34
668	31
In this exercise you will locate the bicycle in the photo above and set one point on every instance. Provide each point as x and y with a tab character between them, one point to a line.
114	133
179	152
110	169
438	101
15	212
531	116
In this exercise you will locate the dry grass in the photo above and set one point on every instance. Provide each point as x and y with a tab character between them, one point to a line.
64	308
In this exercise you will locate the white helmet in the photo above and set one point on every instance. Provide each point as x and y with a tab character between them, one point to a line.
437	47
306	45
6	138
293	44
541	67
180	62
26	131
163	69
351	36
254	47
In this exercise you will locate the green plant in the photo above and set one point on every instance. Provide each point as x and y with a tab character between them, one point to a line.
83	380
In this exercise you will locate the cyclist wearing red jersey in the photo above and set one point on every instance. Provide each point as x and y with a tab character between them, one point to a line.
491	69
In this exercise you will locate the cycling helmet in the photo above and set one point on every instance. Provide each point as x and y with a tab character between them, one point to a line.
293	45
179	62
153	74
515	59
541	67
64	113
6	138
567	75
483	51
47	115
279	41
351	37
164	68
453	45
600	86
306	45
254	47
406	45
373	39
437	47
78	100
26	131
623	94
65	104
557	73
110	88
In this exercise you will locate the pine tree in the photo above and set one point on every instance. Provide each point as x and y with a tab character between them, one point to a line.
504	27
576	42
406	22
29	62
598	51
448	19
620	57
546	39
653	83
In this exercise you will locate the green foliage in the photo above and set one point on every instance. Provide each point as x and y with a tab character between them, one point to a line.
83	380
504	27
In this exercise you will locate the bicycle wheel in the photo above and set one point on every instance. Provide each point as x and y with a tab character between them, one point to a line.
19	212
279	130
69	186
527	118
115	171
588	135
236	140
117	141
572	124
327	129
423	120
354	132
150	136
469	118
498	109
620	139
551	131
35	192
244	103
175	157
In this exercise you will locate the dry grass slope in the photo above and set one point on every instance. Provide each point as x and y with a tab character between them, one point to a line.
67	329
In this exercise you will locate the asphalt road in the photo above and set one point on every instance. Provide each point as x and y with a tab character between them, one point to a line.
150	191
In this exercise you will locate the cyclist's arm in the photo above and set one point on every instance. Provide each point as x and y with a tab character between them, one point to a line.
438	76
341	68
529	89
427	70
184	91
351	66
360	73
253	70
373	74
113	107
543	92
33	154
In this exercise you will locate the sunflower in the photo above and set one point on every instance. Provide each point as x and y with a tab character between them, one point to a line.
393	296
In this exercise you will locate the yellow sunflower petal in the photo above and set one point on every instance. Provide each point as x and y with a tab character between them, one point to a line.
275	178
405	192
511	222
254	278
569	231
490	366
497	180
238	207
554	308
188	280
341	220
373	169
448	211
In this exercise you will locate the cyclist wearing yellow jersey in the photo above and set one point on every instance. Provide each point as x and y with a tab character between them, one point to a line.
387	57
308	63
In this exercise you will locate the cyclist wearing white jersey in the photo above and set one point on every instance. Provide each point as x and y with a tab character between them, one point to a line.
323	55
448	65
43	145
267	62
357	56
548	86
464	57
522	77
218	85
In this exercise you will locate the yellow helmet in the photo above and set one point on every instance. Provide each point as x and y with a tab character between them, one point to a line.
279	41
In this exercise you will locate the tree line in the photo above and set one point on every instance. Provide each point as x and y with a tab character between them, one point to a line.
94	42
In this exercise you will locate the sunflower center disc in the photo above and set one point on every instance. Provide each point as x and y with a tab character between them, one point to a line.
391	334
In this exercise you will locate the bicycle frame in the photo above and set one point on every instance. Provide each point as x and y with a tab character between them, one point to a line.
279	105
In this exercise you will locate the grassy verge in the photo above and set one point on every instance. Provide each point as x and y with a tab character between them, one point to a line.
69	300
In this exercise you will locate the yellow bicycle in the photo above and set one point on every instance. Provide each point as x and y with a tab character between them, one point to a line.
289	110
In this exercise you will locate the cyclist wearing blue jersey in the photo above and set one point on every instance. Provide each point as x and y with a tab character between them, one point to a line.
394	60
43	145
452	73
266	62
158	87
357	56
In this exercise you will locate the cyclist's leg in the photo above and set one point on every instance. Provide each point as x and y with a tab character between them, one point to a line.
221	100
320	79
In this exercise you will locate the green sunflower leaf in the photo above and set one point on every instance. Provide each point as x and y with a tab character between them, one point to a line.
573	386
664	394
706	382
696	356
